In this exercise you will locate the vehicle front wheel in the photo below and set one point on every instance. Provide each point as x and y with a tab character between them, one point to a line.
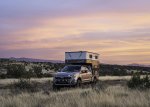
79	83
94	82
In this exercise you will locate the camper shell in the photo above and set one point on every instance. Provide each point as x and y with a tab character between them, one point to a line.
83	58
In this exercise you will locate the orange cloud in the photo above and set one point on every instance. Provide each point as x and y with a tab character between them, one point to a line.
118	37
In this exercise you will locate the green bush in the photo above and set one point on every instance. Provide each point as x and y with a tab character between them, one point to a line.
3	76
146	81
38	71
25	85
138	82
29	74
16	70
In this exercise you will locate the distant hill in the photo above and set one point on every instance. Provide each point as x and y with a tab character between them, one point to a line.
134	64
59	61
35	60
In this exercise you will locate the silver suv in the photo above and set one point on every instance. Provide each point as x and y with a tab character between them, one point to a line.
73	75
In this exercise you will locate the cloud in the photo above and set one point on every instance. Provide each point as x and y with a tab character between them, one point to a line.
118	30
51	8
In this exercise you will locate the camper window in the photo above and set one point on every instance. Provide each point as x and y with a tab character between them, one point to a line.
90	56
96	57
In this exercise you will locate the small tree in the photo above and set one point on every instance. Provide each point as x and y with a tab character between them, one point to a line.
38	71
29	74
138	82
16	70
146	81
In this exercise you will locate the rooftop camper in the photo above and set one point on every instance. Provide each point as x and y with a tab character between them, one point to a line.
81	67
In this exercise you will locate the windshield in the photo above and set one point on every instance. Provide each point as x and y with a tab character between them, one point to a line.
71	68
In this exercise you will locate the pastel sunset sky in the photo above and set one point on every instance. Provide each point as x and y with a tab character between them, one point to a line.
119	30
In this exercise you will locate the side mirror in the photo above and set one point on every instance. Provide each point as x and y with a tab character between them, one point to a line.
84	71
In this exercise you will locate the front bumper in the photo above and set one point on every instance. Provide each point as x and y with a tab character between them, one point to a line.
62	82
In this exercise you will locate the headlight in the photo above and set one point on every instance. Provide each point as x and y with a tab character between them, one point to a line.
69	75
74	76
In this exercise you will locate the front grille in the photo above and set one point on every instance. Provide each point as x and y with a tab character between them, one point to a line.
62	80
67	77
57	78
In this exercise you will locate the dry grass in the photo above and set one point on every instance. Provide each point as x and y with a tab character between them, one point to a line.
110	92
102	78
113	96
10	81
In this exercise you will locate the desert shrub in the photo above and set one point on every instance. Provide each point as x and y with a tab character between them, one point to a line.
47	75
138	82
3	76
38	71
121	70
25	85
146	81
19	71
16	70
135	81
29	74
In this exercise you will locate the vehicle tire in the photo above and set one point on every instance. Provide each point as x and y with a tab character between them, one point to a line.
94	82
79	83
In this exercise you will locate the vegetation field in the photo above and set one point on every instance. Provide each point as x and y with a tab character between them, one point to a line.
26	84
19	69
109	92
113	96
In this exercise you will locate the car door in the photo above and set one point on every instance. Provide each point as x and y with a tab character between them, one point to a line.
88	74
83	74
